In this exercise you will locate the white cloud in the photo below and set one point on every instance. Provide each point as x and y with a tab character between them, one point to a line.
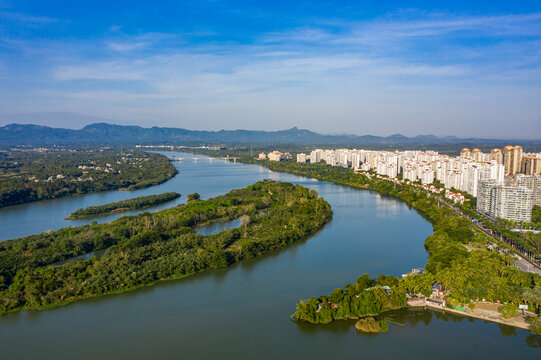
126	46
122	43
109	70
25	18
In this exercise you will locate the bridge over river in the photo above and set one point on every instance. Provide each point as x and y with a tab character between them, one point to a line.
195	159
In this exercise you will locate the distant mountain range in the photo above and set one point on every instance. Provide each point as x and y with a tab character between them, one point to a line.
103	133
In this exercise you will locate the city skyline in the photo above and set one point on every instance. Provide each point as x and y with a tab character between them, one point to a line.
505	182
380	69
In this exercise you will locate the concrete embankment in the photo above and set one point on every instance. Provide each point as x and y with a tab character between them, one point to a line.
488	312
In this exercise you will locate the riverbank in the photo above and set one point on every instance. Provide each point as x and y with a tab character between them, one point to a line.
459	255
35	176
488	312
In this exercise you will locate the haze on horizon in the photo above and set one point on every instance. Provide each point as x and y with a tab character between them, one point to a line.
358	67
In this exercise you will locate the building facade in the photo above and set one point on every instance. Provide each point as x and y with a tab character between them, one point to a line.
532	182
498	201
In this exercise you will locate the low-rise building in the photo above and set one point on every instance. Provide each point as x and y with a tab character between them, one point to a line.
276	156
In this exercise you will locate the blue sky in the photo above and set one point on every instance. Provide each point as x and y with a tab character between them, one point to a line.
459	68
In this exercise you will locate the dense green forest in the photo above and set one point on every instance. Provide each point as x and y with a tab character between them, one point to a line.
27	176
146	248
137	203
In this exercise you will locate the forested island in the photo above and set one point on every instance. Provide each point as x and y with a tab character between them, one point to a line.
27	176
145	248
141	202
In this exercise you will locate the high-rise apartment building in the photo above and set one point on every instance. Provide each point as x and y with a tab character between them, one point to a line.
315	156
477	154
532	182
504	202
531	164
511	203
483	195
496	154
512	159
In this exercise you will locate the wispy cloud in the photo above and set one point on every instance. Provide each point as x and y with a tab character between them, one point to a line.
25	18
123	43
126	46
400	28
107	70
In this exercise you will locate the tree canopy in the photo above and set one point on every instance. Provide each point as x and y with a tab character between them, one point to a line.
149	247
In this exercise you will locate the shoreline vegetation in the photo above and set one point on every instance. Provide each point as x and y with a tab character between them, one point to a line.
459	258
366	297
29	176
137	203
143	249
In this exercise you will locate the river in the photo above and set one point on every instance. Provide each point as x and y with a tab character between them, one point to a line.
242	312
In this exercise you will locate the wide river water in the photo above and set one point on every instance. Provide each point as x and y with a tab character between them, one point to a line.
242	312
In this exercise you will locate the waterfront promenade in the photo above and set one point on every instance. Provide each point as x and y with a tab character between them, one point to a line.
489	312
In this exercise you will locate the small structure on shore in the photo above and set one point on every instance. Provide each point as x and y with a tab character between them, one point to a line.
416	299
417	271
435	302
438	289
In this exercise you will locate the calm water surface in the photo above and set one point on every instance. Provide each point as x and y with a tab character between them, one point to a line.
215	228
243	312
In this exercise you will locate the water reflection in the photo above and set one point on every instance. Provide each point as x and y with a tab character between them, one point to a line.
215	228
533	341
87	256
411	319
507	330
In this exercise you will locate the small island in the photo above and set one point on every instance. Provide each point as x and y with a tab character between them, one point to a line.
370	325
137	203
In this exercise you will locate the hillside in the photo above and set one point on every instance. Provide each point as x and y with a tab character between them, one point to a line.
103	133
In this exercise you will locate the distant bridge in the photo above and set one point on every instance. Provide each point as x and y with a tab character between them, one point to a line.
225	159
